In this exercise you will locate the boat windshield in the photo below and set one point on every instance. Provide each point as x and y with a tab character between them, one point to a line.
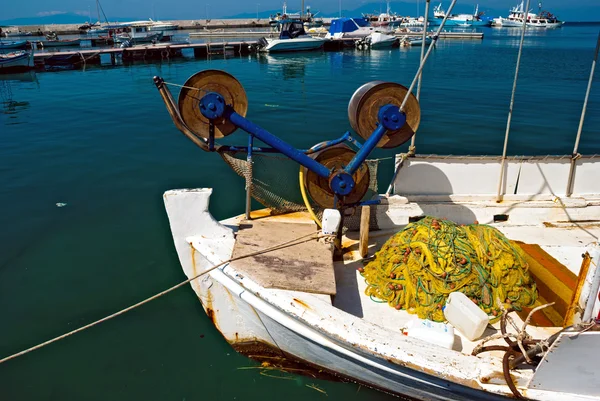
291	30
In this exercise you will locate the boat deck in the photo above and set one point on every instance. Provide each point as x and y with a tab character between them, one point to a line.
561	248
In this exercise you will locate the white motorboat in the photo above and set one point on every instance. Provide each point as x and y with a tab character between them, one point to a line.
162	26
378	40
270	283
292	37
352	28
16	60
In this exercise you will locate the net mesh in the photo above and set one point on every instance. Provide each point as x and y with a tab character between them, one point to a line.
274	184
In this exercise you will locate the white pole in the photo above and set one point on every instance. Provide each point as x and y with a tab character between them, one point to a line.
510	109
581	120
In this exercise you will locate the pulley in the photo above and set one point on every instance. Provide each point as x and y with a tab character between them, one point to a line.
335	158
366	102
200	84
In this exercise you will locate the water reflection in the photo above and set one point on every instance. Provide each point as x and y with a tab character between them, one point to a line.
10	106
289	66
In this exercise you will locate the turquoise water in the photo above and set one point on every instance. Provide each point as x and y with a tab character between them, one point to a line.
102	142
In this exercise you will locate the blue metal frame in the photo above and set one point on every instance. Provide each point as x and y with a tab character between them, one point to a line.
391	118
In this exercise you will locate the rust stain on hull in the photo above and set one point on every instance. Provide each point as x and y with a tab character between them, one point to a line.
262	352
302	303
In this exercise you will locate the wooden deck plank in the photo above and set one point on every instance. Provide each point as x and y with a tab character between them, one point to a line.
306	266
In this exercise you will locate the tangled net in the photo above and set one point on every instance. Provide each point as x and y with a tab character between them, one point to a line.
421	265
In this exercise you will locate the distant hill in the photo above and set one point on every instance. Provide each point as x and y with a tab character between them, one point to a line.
62	18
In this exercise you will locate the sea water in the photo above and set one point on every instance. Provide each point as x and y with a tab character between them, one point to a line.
86	155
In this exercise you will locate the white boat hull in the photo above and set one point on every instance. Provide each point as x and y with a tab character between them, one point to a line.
308	328
19	60
296	44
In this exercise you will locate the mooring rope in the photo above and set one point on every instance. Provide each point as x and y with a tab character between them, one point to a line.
160	294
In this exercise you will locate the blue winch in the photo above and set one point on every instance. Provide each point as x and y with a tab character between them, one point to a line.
213	104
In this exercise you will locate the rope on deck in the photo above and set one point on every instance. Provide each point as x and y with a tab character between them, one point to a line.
304	238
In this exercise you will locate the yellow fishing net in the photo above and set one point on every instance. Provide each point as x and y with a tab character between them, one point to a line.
421	265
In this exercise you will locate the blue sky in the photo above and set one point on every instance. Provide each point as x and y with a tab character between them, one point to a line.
579	10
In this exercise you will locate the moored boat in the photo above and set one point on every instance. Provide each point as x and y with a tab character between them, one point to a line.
267	279
474	20
352	28
60	43
20	60
17	44
409	40
292	37
517	14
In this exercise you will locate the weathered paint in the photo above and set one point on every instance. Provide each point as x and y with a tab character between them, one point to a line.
329	337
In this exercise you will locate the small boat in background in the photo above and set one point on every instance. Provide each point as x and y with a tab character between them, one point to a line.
415	40
11	45
292	37
17	33
352	28
377	40
60	43
476	19
543	19
162	26
16	60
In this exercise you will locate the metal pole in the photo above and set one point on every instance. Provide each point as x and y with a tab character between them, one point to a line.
510	109
411	149
417	77
435	38
575	155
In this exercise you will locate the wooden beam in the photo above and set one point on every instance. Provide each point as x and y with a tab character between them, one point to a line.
365	217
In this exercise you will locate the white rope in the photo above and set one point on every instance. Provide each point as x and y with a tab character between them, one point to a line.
156	296
512	102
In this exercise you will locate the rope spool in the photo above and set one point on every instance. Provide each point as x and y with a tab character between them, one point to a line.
421	265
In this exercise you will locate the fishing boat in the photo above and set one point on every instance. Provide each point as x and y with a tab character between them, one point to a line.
137	32
10	33
517	14
287	284
292	37
60	43
16	61
352	28
11	45
475	20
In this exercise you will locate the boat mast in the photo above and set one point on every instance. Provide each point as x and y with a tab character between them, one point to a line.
98	9
510	110
411	149
576	155
302	10
436	35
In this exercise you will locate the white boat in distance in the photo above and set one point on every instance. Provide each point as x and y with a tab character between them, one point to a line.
353	28
292	37
543	19
162	26
16	61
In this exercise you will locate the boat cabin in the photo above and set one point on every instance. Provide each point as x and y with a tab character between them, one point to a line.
291	30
